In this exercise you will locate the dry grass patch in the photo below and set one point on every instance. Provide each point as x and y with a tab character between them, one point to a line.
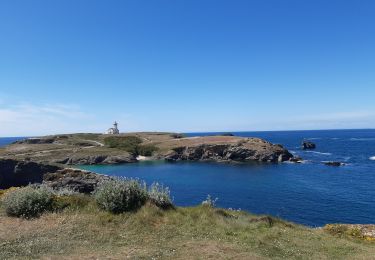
181	233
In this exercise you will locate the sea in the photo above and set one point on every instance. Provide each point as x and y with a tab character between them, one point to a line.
309	193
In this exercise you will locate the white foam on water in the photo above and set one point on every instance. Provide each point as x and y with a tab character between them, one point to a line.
318	153
362	139
372	158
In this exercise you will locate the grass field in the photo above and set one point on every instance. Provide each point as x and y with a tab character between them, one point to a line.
202	232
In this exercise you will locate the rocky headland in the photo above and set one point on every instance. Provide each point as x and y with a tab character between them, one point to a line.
81	149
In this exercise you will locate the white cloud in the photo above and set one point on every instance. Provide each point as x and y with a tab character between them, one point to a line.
337	120
27	119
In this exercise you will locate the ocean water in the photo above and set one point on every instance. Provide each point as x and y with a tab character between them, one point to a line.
310	193
8	140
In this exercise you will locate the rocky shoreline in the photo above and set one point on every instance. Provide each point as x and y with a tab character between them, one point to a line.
15	173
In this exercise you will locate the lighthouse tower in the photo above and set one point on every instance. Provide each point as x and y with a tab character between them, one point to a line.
113	130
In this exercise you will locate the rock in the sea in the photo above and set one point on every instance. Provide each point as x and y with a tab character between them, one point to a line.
334	163
296	159
15	173
308	145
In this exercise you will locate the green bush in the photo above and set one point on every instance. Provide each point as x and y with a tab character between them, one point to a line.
178	136
28	202
160	196
122	141
146	150
120	195
131	144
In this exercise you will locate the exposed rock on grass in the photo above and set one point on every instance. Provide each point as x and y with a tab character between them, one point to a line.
74	179
365	232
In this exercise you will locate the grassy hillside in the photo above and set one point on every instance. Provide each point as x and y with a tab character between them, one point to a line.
82	231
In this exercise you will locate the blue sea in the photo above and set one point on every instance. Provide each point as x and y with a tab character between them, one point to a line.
311	193
8	140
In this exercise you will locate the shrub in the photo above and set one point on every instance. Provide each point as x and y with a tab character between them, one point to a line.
122	141
146	150
120	195
178	136
131	144
28	202
210	202
226	134
160	196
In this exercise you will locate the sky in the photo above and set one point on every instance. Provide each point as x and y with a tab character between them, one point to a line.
186	65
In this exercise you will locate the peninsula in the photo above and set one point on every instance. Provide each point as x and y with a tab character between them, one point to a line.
89	148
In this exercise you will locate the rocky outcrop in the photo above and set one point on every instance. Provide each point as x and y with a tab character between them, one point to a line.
308	145
74	179
95	159
361	231
229	153
15	173
334	164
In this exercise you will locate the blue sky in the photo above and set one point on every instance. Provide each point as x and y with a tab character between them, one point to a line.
193	65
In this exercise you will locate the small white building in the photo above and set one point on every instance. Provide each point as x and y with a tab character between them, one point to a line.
113	130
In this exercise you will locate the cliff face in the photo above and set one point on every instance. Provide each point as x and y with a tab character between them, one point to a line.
15	173
228	153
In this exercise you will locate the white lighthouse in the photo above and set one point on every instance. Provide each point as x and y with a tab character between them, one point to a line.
113	130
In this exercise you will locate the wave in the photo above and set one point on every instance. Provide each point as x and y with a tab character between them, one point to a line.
318	153
372	158
314	138
363	139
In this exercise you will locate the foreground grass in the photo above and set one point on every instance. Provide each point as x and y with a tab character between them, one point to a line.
86	232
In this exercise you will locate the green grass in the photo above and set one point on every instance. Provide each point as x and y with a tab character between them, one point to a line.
84	231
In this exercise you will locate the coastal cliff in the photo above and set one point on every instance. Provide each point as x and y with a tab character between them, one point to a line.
14	173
